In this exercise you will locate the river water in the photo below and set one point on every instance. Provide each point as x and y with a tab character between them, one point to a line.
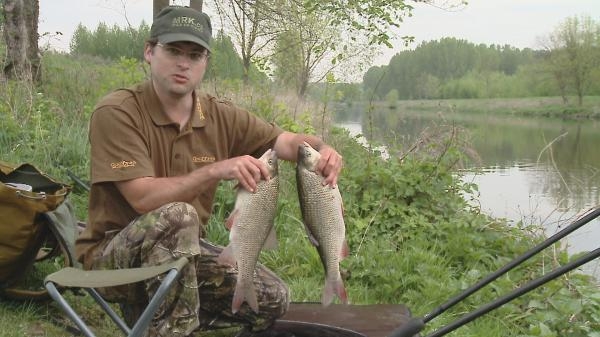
535	171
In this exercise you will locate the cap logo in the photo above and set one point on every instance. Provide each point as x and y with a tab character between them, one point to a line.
186	21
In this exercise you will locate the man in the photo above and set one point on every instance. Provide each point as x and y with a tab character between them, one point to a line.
158	152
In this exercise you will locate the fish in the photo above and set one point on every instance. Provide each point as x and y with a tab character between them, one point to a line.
323	216
251	228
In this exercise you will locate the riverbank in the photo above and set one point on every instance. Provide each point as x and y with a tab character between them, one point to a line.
530	106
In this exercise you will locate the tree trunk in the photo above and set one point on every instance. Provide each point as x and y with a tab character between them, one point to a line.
157	5
21	36
196	4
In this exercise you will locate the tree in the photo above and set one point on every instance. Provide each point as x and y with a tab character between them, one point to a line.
158	5
250	24
572	53
436	69
373	19
21	37
307	49
110	42
229	65
329	34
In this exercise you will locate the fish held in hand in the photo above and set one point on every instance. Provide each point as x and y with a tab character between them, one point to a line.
322	213
251	228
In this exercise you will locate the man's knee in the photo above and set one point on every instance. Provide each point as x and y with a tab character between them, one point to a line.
179	216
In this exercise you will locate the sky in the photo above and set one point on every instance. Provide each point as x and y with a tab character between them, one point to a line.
519	23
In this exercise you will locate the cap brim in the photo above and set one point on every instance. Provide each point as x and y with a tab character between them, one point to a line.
176	37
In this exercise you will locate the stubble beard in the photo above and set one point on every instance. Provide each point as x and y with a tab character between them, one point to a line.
176	89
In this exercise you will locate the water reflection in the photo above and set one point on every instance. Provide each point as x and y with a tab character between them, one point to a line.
536	171
563	154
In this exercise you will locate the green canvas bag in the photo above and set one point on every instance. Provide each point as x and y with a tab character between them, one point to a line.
36	222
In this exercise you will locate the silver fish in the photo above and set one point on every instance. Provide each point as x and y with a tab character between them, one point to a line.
251	228
322	213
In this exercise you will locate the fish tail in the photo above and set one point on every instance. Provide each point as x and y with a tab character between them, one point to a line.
243	293
334	287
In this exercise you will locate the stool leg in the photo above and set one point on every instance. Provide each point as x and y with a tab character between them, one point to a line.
55	294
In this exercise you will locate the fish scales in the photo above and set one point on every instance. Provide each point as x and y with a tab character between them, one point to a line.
322	213
251	229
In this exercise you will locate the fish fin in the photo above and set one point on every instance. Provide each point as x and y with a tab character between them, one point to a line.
311	237
340	291
345	252
334	287
271	241
226	256
231	220
243	293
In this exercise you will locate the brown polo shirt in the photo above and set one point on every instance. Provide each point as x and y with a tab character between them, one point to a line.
131	137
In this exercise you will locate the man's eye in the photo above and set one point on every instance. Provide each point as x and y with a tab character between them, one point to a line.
174	51
196	56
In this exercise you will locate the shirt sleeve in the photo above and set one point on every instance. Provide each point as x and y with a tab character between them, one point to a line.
250	133
119	150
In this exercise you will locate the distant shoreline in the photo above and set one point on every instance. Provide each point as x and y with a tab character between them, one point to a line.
529	106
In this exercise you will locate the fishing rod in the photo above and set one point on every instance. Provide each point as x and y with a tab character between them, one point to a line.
415	325
78	180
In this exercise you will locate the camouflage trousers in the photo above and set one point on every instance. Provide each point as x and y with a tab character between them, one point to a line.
202	298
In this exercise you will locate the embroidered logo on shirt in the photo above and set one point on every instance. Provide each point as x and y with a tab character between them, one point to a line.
123	164
203	159
199	108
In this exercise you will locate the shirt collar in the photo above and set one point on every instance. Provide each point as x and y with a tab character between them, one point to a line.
154	107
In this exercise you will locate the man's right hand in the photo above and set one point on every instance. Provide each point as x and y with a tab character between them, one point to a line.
247	170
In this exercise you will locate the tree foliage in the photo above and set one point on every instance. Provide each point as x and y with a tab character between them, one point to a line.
374	19
251	27
572	55
433	68
569	65
305	49
110	42
268	30
228	65
116	43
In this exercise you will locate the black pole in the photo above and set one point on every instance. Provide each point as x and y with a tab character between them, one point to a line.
517	292
415	325
78	180
485	281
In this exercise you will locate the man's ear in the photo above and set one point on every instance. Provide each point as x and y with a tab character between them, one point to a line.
148	52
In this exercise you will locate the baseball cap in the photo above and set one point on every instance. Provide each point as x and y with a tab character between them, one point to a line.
178	23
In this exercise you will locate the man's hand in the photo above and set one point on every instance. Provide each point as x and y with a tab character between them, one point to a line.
330	165
247	170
